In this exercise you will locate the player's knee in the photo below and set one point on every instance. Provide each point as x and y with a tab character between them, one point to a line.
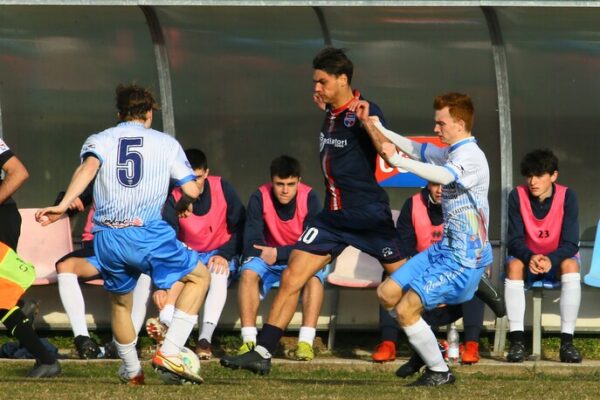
291	282
249	278
569	266
65	266
515	269
386	298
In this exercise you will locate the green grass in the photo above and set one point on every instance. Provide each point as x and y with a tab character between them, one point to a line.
97	380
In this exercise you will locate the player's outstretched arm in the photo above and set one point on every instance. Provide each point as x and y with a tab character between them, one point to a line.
380	134
429	172
82	177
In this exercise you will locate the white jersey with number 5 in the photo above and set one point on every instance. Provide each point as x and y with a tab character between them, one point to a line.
137	165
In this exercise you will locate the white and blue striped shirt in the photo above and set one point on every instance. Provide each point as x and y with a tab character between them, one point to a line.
465	201
133	180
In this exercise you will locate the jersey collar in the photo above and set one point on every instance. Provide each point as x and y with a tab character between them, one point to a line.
462	142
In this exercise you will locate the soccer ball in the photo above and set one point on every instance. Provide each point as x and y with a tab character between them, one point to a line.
192	362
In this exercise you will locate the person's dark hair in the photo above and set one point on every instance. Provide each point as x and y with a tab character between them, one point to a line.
285	167
459	106
197	158
539	162
334	62
133	102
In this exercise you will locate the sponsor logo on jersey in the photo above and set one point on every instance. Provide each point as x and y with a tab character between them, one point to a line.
338	143
350	119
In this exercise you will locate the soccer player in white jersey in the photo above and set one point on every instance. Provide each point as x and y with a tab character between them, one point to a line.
133	165
449	271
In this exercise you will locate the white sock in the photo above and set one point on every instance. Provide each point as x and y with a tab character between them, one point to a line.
249	334
178	332
307	334
166	314
128	354
72	300
208	328
570	298
423	340
213	305
514	295
141	294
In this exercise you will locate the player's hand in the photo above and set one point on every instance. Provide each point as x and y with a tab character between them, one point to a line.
187	212
160	298
77	205
48	215
388	150
268	254
319	101
361	108
534	265
218	265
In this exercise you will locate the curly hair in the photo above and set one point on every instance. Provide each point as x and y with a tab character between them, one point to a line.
133	102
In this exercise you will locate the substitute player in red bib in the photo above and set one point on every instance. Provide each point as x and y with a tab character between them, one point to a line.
278	213
543	237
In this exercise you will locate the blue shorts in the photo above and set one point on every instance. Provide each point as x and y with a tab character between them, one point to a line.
233	264
437	278
123	254
369	228
270	275
549	280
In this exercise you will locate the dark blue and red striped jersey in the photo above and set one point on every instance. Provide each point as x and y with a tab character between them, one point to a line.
348	160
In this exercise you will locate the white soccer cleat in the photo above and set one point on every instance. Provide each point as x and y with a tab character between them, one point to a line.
185	366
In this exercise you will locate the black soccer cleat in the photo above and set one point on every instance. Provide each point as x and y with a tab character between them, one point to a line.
87	348
251	361
411	367
40	370
569	353
516	352
491	296
434	378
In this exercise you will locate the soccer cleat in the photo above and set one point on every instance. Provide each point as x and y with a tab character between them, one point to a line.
443	345
137	380
175	365
156	330
87	348
110	351
470	355
491	296
384	352
569	354
251	361
40	370
246	347
203	349
434	378
516	352
411	367
304	352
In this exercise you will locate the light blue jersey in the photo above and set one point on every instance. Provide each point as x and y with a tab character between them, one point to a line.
133	181
464	202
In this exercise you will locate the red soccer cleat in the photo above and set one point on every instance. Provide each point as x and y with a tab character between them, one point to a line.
384	352
471	353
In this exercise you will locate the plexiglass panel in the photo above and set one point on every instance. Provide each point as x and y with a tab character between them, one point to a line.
553	58
406	56
59	67
242	84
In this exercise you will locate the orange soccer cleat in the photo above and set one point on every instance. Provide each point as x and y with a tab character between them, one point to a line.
384	352
471	353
